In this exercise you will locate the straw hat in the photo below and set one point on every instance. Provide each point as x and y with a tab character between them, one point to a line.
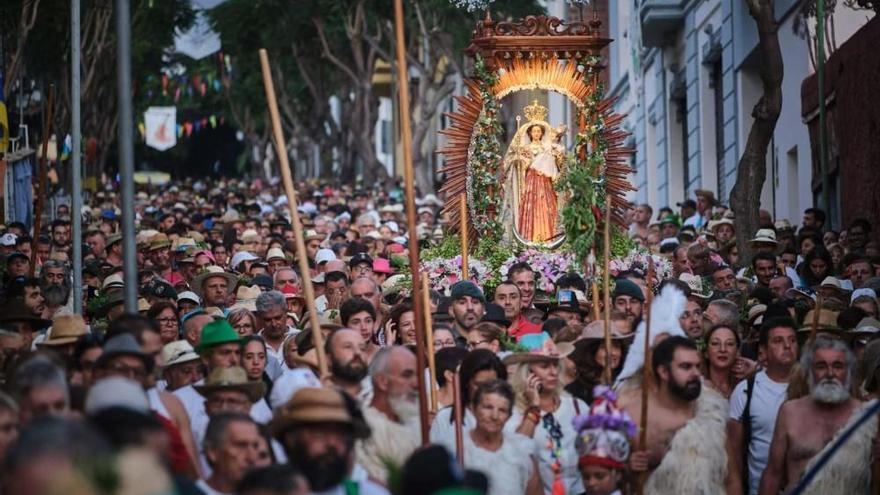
274	254
246	297
311	235
211	272
159	241
315	405
827	321
66	329
764	235
232	379
596	330
695	283
177	352
543	349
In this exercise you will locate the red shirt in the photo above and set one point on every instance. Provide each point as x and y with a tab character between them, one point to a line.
521	327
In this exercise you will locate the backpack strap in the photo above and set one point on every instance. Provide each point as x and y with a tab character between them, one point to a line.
746	420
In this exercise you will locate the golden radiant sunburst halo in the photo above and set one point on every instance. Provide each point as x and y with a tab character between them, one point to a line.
530	74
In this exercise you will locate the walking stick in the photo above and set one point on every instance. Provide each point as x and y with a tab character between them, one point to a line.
462	218
647	374
594	286
41	182
607	286
429	342
457	411
409	186
302	258
814	325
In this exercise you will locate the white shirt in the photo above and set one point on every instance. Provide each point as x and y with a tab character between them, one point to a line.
507	469
570	475
206	488
767	397
443	430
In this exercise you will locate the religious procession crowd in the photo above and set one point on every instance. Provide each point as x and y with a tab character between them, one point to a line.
754	367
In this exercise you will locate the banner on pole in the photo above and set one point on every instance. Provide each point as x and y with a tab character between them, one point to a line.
161	127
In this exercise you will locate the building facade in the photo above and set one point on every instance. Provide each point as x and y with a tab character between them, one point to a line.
686	72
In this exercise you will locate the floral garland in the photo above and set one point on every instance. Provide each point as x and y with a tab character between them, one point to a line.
548	267
484	158
443	273
638	261
471	5
582	181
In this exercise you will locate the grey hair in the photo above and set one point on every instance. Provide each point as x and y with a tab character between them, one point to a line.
826	342
38	372
379	364
275	275
56	295
270	299
729	312
215	434
56	437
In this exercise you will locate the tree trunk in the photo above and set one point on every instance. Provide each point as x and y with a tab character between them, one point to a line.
745	197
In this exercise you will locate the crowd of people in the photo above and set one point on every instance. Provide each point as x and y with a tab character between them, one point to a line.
214	385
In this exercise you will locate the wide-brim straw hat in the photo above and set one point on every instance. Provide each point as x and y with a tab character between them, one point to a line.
827	321
311	406
214	271
232	379
66	329
548	351
596	330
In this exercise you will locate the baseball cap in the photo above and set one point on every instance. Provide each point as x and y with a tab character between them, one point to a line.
8	239
324	255
360	258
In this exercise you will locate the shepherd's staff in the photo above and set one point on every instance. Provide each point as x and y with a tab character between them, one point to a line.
41	183
646	372
814	325
457	408
278	137
607	282
594	286
462	218
429	341
408	182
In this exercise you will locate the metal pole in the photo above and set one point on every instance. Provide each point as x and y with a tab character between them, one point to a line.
823	134
126	151
76	157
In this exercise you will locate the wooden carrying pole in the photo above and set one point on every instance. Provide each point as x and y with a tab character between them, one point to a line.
278	137
594	286
647	373
457	409
463	220
606	275
41	183
409	186
814	325
429	343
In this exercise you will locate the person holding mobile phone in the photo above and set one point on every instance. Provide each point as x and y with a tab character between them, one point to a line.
543	411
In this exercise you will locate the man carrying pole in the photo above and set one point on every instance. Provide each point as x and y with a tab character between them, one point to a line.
685	440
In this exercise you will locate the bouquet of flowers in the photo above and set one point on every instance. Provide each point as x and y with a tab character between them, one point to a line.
548	267
637	261
443	273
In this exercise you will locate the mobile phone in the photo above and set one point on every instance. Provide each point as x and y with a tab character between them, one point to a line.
540	388
564	296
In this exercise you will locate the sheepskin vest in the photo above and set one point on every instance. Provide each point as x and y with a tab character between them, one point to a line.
696	461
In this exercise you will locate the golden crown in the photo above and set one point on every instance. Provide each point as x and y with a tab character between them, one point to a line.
535	111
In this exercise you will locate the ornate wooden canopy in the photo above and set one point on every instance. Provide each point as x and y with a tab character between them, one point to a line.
535	36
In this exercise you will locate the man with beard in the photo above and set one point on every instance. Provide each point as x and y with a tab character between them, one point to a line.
754	404
686	435
467	308
691	320
507	296
345	349
628	298
393	414
318	428
807	425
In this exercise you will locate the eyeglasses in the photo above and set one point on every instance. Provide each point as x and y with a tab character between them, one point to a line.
129	371
440	344
166	321
473	345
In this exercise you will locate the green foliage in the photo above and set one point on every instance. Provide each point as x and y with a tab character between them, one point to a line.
485	160
449	248
583	182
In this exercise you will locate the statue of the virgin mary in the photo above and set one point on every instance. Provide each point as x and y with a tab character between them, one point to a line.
532	167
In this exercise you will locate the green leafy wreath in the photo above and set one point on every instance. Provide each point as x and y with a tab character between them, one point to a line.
484	158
